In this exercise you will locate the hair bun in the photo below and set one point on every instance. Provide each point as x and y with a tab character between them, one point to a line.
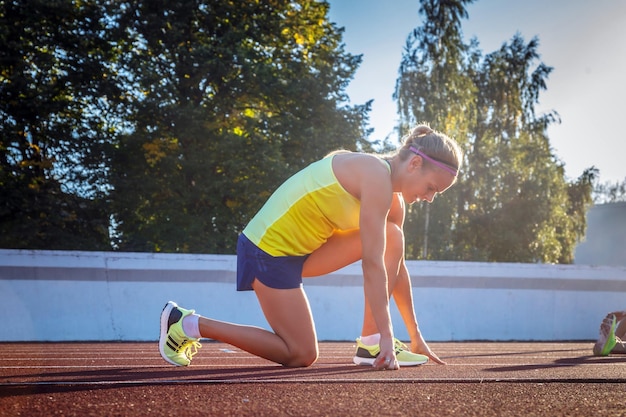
421	130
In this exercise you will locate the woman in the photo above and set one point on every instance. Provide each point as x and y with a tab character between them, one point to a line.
345	207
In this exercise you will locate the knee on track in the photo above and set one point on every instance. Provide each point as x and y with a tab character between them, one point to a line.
303	358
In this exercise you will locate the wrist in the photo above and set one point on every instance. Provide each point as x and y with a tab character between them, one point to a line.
415	334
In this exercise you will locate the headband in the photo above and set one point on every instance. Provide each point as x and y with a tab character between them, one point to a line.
453	171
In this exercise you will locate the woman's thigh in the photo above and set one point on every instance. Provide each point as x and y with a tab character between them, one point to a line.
341	249
344	248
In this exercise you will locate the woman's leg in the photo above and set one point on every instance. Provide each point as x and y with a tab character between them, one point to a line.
341	249
294	342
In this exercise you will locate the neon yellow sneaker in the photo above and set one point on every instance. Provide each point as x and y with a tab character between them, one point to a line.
175	346
365	355
607	340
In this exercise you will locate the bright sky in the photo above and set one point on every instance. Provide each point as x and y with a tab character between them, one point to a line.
584	41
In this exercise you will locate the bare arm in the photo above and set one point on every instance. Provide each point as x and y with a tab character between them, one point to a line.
403	296
403	292
375	196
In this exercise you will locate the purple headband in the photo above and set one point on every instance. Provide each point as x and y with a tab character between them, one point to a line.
448	168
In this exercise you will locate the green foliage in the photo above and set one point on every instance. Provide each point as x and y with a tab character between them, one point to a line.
230	99
174	120
571	230
435	86
609	192
512	202
171	120
52	78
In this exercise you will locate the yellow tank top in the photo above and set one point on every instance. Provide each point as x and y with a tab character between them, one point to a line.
304	212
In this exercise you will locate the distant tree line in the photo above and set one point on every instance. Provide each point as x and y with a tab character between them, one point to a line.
164	125
609	192
513	202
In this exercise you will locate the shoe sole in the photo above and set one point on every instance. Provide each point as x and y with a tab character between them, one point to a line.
165	315
370	362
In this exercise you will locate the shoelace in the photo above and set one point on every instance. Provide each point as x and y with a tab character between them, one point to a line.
398	345
190	348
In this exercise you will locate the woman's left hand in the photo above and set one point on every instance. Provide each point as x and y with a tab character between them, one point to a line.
420	346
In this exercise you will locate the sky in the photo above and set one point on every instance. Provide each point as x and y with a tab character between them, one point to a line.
584	41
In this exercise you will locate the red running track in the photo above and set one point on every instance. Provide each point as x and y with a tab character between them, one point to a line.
481	379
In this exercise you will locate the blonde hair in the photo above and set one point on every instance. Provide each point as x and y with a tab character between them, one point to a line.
435	145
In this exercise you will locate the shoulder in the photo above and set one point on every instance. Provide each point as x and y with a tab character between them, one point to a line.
359	161
358	171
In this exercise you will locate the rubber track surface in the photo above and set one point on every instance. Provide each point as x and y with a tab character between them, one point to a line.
481	379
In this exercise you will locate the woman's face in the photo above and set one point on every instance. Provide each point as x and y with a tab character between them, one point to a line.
424	183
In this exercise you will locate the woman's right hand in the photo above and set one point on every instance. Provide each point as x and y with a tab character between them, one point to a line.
386	359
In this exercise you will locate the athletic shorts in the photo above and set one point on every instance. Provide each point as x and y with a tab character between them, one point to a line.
280	272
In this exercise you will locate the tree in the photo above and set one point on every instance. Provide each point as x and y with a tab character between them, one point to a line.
518	191
53	90
435	86
579	195
609	192
229	99
512	202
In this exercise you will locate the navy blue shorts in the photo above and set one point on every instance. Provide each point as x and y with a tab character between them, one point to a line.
280	272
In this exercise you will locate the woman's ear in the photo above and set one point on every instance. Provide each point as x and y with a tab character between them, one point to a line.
415	163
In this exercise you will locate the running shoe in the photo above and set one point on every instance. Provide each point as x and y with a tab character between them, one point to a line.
365	355
606	341
175	346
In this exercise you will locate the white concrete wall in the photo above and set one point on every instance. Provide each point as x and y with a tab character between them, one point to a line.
86	296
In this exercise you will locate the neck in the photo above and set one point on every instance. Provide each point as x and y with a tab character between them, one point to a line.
394	163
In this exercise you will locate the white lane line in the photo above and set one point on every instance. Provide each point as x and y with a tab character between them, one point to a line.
316	381
331	366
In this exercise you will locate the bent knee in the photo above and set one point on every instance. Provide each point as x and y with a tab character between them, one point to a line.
303	358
